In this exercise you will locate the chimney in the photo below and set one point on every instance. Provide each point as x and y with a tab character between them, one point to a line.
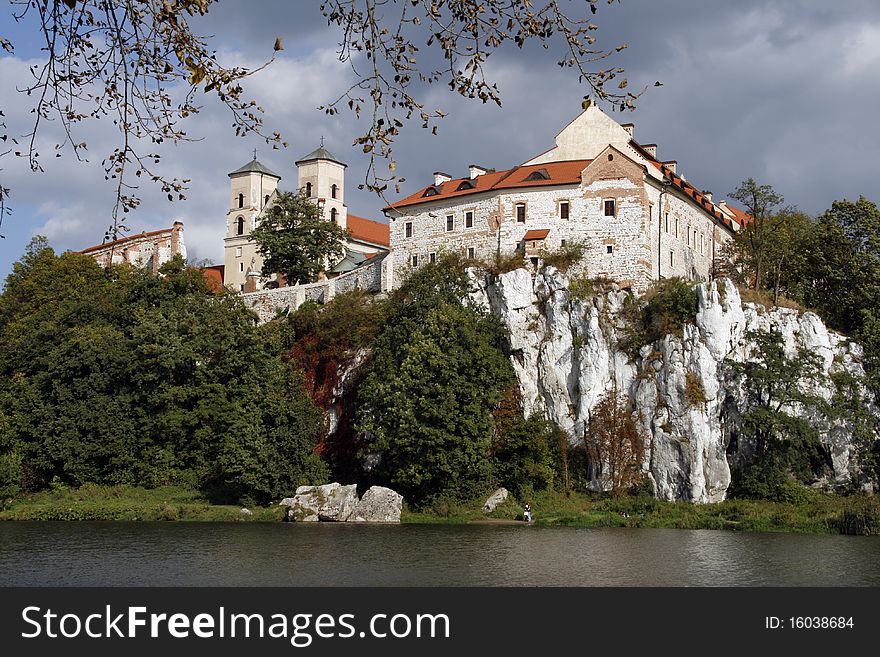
440	178
475	170
652	149
629	127
708	195
672	165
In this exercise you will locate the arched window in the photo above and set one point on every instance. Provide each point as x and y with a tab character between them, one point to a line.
241	200
309	189
266	200
333	191
239	226
333	214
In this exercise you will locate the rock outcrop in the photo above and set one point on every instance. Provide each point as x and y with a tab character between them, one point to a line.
337	503
378	504
564	351
496	498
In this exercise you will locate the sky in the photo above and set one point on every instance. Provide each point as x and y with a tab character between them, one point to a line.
784	92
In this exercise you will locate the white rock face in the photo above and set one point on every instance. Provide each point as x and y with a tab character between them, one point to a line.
330	503
563	352
378	504
495	499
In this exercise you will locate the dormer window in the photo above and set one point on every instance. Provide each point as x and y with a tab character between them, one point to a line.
540	174
433	190
239	229
241	200
333	189
465	184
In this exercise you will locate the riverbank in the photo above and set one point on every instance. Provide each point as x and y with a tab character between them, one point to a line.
817	513
92	502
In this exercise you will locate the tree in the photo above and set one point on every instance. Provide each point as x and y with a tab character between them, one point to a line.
120	60
779	443
426	402
129	60
614	443
295	241
749	247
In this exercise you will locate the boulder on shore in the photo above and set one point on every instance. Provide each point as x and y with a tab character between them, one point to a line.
496	498
328	503
378	504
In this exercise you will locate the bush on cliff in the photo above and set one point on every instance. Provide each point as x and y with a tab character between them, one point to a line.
663	310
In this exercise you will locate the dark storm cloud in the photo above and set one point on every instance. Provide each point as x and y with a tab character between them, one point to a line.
781	91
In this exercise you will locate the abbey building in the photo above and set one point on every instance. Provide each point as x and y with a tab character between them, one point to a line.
252	190
638	218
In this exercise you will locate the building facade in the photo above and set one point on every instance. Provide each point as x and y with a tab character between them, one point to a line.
148	249
253	188
637	217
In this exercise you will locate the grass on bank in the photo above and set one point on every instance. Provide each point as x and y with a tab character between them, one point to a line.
92	502
822	513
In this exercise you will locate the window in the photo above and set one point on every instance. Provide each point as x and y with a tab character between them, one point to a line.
333	214
241	288
241	266
239	228
468	219
333	191
666	220
563	243
415	261
432	258
609	207
450	222
238	252
702	244
472	253
676	226
241	200
672	258
309	189
563	210
651	211
408	229
520	213
609	248
266	200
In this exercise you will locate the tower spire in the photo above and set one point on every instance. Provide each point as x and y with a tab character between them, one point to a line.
255	154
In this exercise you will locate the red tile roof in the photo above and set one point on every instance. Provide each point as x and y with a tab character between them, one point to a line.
368	230
683	185
214	277
537	234
123	240
742	217
560	173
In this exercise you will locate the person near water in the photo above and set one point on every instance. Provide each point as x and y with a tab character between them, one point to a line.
527	512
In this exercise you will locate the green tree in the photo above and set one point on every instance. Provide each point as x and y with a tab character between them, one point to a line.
295	241
779	442
749	248
437	373
126	377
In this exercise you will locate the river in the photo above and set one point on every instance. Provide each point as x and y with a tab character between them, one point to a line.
257	554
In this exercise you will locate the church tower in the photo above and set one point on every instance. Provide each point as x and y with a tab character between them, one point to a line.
251	188
322	177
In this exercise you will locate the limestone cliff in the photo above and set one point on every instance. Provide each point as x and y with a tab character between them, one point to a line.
565	356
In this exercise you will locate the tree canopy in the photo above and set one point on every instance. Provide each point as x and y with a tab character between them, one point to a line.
296	241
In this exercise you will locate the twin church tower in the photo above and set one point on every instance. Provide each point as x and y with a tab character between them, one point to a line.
253	188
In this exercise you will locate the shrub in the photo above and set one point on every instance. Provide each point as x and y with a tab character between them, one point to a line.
694	391
664	310
501	264
583	287
860	516
565	256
